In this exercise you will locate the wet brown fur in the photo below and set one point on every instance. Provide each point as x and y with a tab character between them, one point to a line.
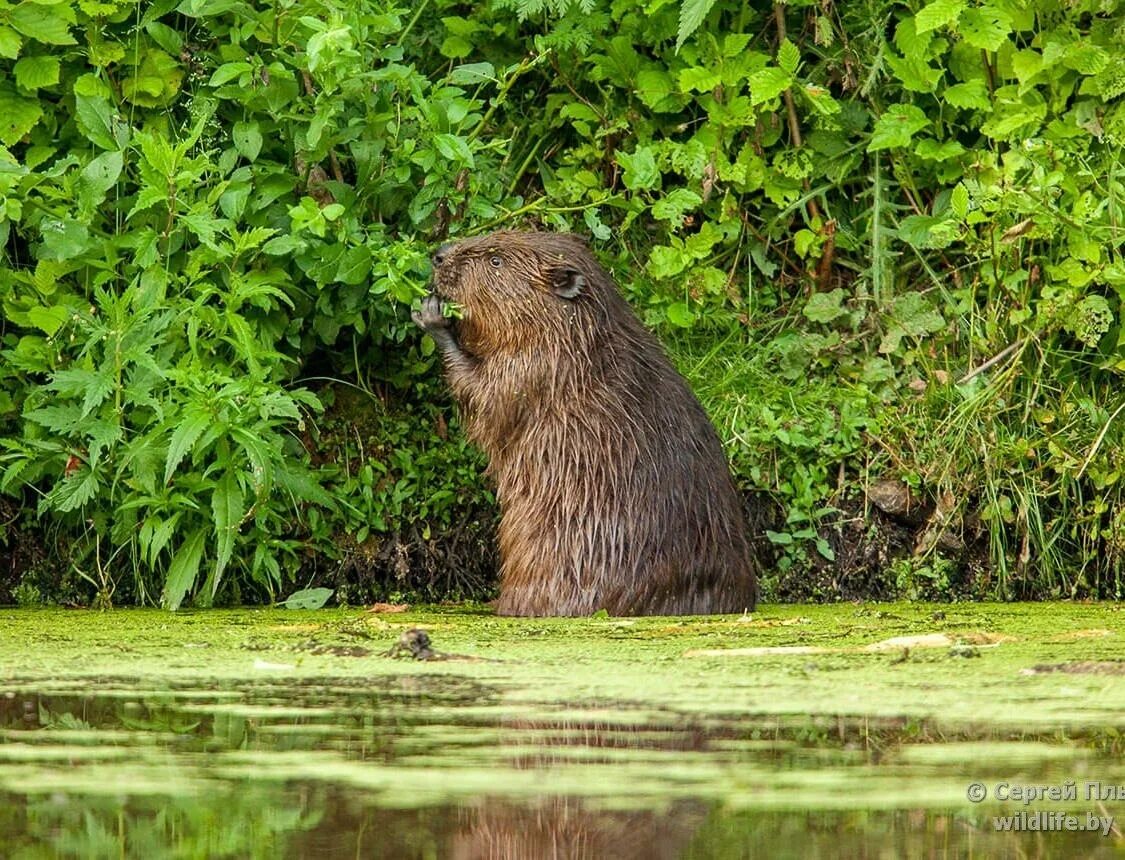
614	490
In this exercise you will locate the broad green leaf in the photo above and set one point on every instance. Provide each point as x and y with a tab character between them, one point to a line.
94	117
654	89
472	74
928	231
48	319
825	307
788	57
692	14
454	148
308	598
971	95
47	24
10	43
302	485
640	168
63	240
916	74
959	200
672	206
247	139
1084	57
18	116
228	72
699	79
456	47
897	126
227	506
938	13
666	262
183	569
184	437
1027	63
598	227
97	178
31	73
931	150
986	27
355	266
679	314
767	84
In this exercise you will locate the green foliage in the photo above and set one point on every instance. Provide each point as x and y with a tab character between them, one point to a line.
902	223
197	200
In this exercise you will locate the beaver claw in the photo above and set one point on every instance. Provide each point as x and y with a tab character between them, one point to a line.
429	317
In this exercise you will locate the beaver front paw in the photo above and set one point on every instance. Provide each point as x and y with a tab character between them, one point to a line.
429	317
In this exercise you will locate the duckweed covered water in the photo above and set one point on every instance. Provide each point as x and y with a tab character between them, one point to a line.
852	731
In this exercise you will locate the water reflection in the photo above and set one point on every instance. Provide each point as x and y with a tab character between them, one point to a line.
432	767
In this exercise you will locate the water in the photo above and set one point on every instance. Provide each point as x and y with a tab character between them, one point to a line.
427	767
796	732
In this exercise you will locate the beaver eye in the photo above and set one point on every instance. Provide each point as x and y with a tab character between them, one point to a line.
496	262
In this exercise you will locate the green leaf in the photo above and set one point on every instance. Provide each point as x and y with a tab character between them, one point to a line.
94	116
72	492
699	79
825	549
47	24
986	28
971	95
183	569
692	14
308	598
18	116
1026	63
1084	57
931	150
97	178
672	206
769	83
100	386
58	419
10	43
62	240
939	13
184	437
959	201
454	148
897	126
247	139
788	57
48	320
825	307
227	506
679	314
31	73
227	72
472	74
456	47
640	168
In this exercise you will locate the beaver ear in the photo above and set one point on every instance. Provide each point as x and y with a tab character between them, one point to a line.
567	282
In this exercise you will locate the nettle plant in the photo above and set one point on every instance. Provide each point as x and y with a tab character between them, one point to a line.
197	197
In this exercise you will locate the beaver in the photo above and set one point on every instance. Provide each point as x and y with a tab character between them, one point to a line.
613	487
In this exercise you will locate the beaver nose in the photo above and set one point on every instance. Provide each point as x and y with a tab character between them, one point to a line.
442	253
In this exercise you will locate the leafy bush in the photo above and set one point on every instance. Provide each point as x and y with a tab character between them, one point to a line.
901	222
183	238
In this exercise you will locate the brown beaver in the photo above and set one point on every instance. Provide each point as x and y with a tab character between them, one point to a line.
614	491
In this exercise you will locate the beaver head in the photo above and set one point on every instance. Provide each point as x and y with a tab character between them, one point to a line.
514	286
